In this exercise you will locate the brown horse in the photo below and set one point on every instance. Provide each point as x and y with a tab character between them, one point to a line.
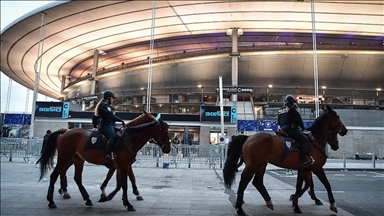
307	177
63	180
70	149
263	148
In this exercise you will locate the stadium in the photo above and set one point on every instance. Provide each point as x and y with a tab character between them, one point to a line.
167	56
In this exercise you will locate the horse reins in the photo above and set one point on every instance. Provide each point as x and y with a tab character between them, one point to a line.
140	137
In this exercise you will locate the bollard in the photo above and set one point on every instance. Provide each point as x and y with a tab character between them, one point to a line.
189	158
373	160
10	154
344	161
157	157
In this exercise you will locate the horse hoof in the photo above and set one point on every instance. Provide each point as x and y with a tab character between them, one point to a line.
318	202
270	204
52	205
297	210
88	203
60	191
67	196
139	197
334	209
131	209
103	199
240	211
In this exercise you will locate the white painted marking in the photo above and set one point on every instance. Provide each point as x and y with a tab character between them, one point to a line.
339	174
326	191
275	173
361	175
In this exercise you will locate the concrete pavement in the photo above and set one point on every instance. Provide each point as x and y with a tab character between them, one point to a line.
173	191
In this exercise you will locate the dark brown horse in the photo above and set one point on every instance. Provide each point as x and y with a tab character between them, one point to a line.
63	179
70	149
263	148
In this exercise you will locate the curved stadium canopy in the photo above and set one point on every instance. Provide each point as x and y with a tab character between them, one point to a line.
276	44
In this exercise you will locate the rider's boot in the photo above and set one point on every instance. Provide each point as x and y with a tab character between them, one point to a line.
304	153
108	150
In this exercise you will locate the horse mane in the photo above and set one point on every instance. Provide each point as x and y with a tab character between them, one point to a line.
135	120
319	121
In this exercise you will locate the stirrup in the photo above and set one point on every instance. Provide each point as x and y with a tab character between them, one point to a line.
312	160
107	158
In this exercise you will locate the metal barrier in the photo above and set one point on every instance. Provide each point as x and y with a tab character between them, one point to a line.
182	156
20	148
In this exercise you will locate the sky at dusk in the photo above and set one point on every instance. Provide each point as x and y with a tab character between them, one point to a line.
10	11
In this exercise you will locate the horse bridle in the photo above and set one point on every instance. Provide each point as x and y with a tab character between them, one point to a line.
338	129
161	145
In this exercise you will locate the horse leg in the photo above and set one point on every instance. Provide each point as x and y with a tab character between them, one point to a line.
323	178
133	182
299	191
124	184
63	182
308	184
311	192
246	177
53	178
258	182
113	193
104	185
79	165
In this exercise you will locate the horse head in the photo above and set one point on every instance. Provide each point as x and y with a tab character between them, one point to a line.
159	131
335	126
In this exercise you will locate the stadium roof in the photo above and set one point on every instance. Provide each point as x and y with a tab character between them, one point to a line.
350	39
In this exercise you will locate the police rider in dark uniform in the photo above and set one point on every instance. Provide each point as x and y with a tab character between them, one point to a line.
108	119
289	119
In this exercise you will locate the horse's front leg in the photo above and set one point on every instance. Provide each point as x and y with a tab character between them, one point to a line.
79	165
132	178
124	184
258	182
311	192
63	182
299	183
323	178
113	193
104	185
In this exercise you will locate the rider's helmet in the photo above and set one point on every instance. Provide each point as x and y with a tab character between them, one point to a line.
108	94
290	99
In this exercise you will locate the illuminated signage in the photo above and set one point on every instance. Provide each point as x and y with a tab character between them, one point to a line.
213	114
236	90
52	109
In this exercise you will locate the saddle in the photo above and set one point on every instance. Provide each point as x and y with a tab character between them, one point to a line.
98	140
289	144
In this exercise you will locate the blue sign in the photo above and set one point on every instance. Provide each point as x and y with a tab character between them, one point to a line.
65	110
247	125
233	114
52	109
267	125
17	119
213	114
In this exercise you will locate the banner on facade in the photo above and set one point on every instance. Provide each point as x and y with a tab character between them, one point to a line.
52	109
212	114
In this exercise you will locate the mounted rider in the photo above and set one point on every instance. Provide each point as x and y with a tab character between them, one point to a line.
289	119
107	121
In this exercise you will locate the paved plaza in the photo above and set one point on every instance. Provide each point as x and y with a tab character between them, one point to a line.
173	191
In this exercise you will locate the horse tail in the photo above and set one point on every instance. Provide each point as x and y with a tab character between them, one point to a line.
48	153
233	154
